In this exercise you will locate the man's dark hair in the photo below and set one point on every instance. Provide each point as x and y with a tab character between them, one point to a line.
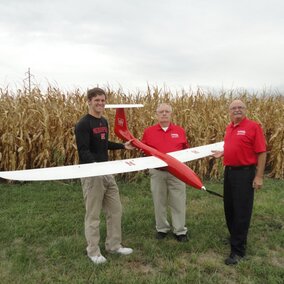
95	92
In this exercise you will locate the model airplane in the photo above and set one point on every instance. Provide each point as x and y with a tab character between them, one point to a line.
173	161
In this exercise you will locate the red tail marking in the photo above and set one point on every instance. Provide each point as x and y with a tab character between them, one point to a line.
130	163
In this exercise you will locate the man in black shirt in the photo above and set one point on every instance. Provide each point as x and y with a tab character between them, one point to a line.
99	192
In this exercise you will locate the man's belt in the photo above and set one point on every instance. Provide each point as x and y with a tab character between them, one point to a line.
240	168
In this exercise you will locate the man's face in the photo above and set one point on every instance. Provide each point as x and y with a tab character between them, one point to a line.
97	104
237	111
164	114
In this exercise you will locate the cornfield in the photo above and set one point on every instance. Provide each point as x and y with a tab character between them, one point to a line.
37	129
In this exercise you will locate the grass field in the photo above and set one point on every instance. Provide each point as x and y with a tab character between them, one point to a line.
42	238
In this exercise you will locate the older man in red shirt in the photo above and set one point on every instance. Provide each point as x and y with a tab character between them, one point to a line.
244	159
166	188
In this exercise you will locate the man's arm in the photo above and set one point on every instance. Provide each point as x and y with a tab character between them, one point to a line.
258	180
115	146
83	143
217	154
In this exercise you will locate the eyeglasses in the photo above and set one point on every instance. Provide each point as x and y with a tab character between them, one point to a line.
237	107
162	111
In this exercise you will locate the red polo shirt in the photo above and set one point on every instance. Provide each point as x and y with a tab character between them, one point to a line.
242	143
173	139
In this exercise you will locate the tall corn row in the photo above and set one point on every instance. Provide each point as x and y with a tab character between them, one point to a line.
37	130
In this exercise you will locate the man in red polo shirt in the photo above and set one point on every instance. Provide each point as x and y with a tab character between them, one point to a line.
244	159
166	188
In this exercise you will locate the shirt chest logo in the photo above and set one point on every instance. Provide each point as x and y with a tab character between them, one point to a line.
174	135
241	132
98	130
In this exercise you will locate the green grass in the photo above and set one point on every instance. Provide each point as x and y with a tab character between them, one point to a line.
42	238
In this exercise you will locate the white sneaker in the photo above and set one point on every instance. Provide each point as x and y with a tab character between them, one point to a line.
98	259
123	251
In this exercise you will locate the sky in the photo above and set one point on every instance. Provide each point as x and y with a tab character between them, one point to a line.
130	44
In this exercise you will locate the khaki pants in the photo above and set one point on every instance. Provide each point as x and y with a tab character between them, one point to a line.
102	193
168	190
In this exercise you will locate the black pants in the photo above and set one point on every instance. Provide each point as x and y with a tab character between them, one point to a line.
238	204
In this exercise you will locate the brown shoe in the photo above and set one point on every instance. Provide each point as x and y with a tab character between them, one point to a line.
233	259
181	238
161	235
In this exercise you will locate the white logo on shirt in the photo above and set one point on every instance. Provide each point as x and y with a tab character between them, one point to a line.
174	135
241	132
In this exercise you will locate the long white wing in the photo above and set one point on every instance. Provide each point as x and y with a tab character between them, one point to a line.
110	167
197	152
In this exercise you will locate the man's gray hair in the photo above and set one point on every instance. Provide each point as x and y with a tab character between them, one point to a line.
164	104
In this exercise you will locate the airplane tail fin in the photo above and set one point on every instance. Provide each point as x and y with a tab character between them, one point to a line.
120	127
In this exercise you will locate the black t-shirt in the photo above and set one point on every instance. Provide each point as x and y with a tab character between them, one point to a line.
92	139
